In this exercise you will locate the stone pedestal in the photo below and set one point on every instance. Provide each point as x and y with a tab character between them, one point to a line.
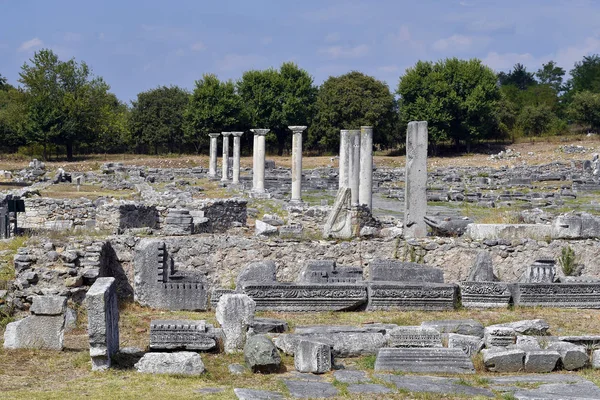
225	176
415	199
258	170
365	194
212	166
236	156
297	162
344	161
354	175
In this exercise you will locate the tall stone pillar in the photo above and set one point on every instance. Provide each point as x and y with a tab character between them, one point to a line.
415	199
344	161
365	194
354	174
254	149
212	165
297	162
236	156
259	160
225	166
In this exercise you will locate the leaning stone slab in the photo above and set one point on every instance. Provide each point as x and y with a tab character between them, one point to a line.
302	298
562	295
434	384
180	363
471	345
103	322
413	336
482	269
310	390
484	294
499	336
259	271
501	360
312	357
261	355
339	221
435	360
253	394
401	271
572	356
541	360
537	327
342	344
235	313
48	305
183	335
459	326
412	296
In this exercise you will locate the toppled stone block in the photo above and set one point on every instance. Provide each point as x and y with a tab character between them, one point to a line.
103	322
459	326
541	360
343	344
235	313
482	269
180	363
499	336
261	355
269	325
183	335
471	345
451	226
502	360
572	356
48	305
527	343
433	360
413	336
259	271
264	229
312	357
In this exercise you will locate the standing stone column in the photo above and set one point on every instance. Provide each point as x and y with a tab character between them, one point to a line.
225	176
259	160
365	194
236	156
254	149
354	174
415	198
344	161
297	162
212	165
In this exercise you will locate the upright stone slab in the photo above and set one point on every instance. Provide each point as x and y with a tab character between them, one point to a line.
413	336
344	161
236	157
415	198
225	174
43	330
401	271
436	360
297	162
183	335
103	322
259	271
339	221
212	165
365	195
312	357
235	313
482	269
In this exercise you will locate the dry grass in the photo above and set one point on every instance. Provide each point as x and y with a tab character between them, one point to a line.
34	374
92	192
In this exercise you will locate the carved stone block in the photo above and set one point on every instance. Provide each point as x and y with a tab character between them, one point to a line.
411	296
484	294
182	335
437	360
413	336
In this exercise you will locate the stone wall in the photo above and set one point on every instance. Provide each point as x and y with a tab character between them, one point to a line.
57	214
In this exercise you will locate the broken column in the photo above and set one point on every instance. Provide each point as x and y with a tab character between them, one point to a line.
212	166
235	313
297	162
365	194
103	322
225	176
415	199
354	175
236	156
344	158
258	169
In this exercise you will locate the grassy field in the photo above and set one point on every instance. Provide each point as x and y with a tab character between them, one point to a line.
35	374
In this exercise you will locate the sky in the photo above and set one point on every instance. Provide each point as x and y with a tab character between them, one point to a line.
139	45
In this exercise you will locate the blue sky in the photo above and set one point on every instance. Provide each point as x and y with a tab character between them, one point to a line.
139	45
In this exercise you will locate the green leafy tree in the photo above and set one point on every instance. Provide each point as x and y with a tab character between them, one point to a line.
585	109
536	120
348	102
586	75
552	75
4	85
13	118
156	119
114	135
458	98
214	106
518	76
277	99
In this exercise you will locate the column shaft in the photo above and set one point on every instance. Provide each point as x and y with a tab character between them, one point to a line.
297	162
354	176
225	165
365	193
344	160
415	198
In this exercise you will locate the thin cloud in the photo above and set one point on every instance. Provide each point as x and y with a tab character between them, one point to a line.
332	37
73	37
31	44
336	52
506	61
198	46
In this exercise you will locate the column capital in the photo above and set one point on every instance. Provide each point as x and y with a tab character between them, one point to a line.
260	132
237	134
297	128
214	135
225	133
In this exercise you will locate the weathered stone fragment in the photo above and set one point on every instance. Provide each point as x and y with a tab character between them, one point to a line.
48	305
180	363
368	388
537	327
527	343
482	269
541	360
572	356
235	313
432	360
103	322
183	335
485	294
502	360
451	226
312	357
564	295
264	229
471	345
339	221
596	359
261	355
413	336
326	271
344	344
259	271
402	271
411	296
498	336
460	326
541	271
269	325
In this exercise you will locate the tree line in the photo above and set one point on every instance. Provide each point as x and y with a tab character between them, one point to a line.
62	107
